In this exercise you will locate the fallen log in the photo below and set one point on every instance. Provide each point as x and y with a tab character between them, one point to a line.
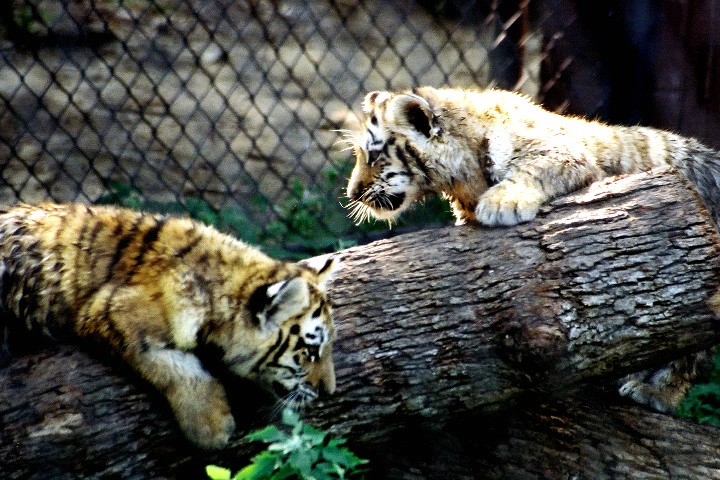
589	438
433	327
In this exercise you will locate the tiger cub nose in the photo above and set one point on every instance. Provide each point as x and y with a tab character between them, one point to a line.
354	191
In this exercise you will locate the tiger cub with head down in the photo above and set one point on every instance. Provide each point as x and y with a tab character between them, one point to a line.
155	290
497	157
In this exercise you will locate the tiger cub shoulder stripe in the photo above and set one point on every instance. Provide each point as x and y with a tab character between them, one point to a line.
156	290
497	156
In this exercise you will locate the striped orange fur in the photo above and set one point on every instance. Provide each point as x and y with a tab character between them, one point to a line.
156	291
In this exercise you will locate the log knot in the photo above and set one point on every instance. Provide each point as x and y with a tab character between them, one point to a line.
532	347
533	339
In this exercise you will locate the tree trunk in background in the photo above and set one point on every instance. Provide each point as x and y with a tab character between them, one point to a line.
455	350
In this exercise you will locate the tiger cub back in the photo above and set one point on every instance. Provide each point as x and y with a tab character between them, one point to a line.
497	156
155	290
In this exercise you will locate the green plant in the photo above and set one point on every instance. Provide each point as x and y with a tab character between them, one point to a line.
296	451
29	19
702	402
309	220
229	219
312	220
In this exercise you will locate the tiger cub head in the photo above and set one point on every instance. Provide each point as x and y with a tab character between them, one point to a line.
391	164
288	346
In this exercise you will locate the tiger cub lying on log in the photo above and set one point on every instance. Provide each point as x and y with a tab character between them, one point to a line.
153	290
497	157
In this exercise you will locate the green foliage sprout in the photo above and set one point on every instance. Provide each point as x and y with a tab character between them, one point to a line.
297	451
702	402
307	220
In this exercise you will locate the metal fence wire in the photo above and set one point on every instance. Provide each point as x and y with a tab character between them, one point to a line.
229	109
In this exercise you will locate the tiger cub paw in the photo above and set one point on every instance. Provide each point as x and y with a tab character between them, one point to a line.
645	394
508	204
203	413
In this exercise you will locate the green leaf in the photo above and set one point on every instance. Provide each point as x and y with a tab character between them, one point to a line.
250	472
342	457
201	210
303	460
709	420
290	417
286	471
702	403
336	442
276	230
233	220
324	471
313	435
261	468
218	473
269	434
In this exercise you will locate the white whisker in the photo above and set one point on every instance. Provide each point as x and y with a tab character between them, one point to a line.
349	138
344	131
346	139
359	212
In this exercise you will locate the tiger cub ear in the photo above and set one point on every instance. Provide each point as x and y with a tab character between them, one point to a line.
413	111
373	99
274	303
324	267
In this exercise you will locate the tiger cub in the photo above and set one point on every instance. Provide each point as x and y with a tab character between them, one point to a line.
497	156
155	290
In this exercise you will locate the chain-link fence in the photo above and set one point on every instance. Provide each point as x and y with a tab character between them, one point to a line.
229	109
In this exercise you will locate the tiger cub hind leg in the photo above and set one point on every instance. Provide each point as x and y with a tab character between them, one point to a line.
663	389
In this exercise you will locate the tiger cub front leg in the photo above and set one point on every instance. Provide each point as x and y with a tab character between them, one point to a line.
197	399
136	329
509	203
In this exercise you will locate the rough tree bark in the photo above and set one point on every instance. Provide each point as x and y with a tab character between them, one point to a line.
462	353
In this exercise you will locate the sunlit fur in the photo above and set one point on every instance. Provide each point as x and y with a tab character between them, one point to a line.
164	294
496	155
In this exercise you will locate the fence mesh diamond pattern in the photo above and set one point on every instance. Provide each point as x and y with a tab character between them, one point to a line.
229	109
